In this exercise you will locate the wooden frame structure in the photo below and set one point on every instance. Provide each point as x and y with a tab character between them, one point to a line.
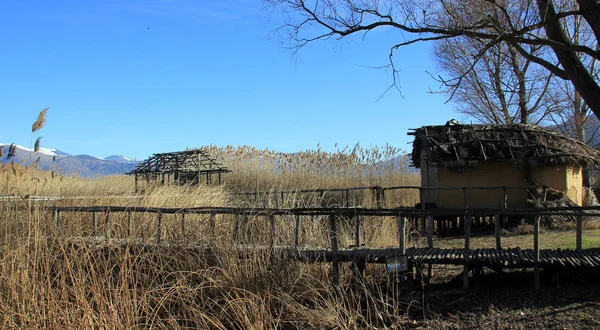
182	167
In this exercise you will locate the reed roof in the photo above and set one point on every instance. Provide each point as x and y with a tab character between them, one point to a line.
457	146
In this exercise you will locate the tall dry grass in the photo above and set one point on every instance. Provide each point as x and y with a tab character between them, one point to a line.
52	278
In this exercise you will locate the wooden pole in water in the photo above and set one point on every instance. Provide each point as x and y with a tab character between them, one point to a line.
335	267
579	237
536	253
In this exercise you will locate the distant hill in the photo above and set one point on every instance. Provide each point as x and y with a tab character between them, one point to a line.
62	162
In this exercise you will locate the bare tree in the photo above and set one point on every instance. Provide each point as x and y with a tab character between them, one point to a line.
539	29
502	88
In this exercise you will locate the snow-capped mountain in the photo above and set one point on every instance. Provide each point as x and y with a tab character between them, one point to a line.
120	159
84	165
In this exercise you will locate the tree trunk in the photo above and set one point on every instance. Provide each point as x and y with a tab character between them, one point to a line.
575	70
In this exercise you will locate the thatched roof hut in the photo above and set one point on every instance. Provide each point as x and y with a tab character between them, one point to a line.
498	155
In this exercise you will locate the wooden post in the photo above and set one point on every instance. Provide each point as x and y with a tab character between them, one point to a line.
505	204
56	219
211	223
95	229
536	253
347	198
402	233
236	228
128	224
271	230
182	225
430	231
158	228
378	192
297	231
357	218
107	226
430	245
335	267
467	249
497	230
579	237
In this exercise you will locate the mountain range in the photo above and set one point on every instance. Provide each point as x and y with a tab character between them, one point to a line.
62	162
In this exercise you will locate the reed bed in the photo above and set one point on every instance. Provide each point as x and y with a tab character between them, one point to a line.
54	276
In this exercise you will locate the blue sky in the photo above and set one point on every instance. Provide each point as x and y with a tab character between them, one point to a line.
205	72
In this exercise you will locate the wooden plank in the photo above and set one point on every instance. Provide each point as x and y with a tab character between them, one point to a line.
333	236
579	233
467	250
536	253
497	231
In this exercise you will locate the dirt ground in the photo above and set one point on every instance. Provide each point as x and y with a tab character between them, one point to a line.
508	301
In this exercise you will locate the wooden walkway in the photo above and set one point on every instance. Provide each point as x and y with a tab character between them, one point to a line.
496	257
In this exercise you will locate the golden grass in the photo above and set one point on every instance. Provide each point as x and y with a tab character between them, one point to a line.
49	281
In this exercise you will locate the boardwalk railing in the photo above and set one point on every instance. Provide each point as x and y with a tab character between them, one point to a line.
497	257
377	194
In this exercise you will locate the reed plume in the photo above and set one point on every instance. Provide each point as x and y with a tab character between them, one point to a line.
1	152
39	123
36	146
11	151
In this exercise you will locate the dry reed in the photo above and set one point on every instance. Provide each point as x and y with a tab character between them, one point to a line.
39	123
51	279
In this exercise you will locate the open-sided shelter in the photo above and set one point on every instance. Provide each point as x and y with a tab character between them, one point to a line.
517	155
182	167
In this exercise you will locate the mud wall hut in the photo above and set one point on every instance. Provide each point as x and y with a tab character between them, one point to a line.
496	156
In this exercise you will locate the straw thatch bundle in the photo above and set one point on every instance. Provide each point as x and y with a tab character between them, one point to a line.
459	146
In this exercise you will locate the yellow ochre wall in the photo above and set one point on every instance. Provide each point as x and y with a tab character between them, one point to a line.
567	179
488	174
494	174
